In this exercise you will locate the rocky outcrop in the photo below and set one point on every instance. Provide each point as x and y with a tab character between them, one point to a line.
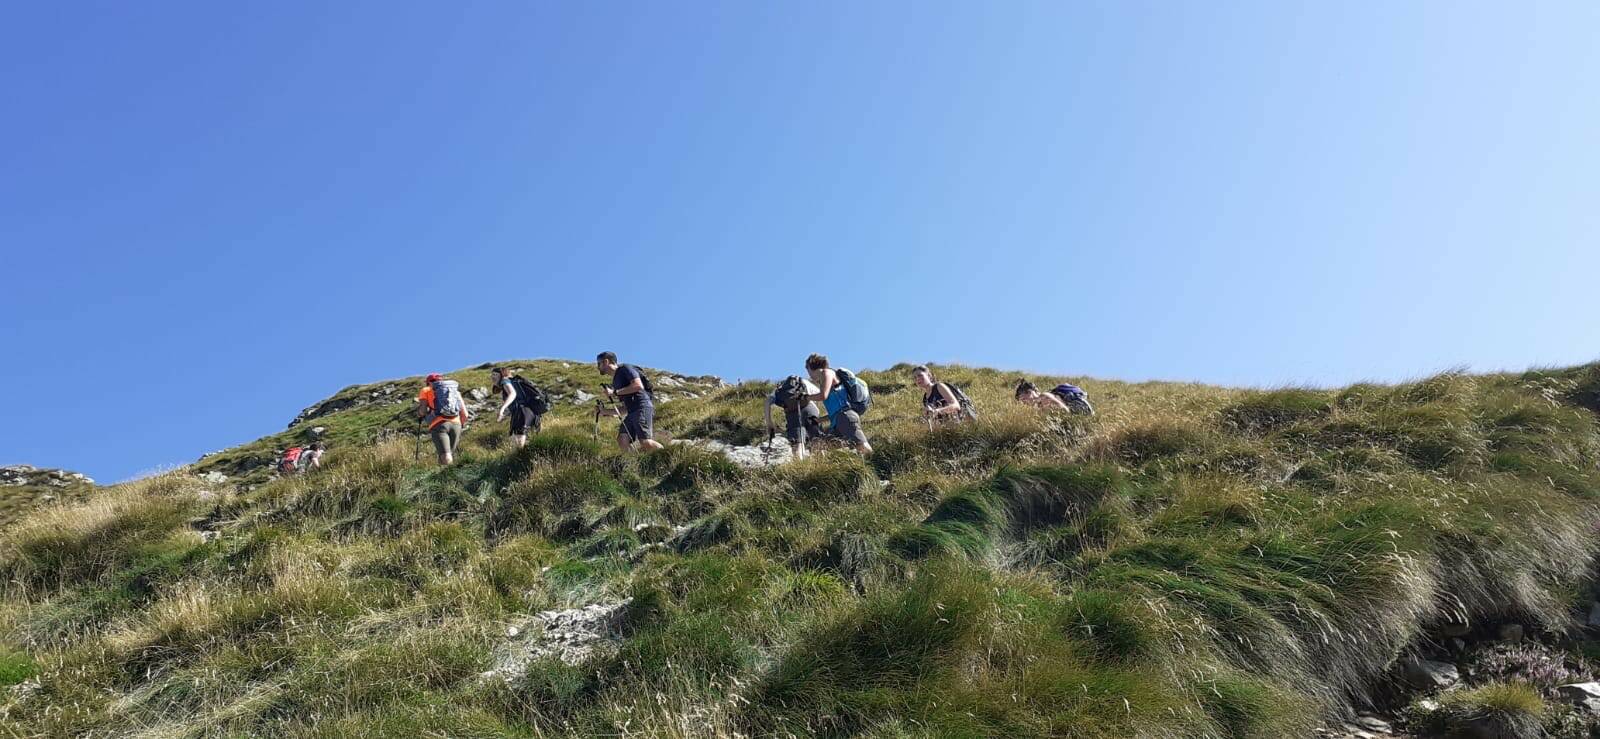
26	474
762	455
386	394
571	636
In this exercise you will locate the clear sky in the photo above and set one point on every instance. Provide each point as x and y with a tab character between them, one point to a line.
214	214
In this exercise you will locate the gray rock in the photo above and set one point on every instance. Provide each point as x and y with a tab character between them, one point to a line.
1373	723
1583	695
761	455
572	636
1511	632
666	381
214	477
579	397
318	431
1427	674
1594	615
478	393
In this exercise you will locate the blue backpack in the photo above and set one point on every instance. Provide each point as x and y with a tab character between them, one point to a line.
856	393
1076	399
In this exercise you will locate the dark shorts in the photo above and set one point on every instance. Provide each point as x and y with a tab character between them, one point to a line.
522	420
847	426
637	423
801	423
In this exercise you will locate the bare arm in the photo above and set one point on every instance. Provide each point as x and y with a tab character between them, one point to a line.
951	406
827	385
769	415
511	397
1050	402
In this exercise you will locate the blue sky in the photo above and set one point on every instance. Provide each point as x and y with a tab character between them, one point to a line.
213	215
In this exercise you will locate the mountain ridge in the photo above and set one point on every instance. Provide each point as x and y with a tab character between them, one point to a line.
1191	561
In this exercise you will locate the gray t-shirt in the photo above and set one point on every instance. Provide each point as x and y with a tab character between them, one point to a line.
624	377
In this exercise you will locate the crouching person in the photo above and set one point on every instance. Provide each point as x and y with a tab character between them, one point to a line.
1070	398
801	419
845	397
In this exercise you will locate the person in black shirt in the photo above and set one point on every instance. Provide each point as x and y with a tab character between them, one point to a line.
628	384
940	403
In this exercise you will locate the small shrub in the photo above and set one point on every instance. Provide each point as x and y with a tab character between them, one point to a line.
1115	626
1493	710
70	545
728	427
831	478
1263	412
846	671
684	467
558	448
1242	706
15	667
1153	441
539	502
1043	496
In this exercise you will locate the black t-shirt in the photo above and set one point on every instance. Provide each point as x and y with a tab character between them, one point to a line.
624	377
934	398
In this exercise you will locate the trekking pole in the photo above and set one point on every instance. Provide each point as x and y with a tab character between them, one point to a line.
598	406
624	421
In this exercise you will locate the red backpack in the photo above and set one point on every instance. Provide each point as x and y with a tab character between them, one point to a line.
290	457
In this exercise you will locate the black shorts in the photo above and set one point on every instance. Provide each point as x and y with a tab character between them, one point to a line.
637	423
802	423
522	420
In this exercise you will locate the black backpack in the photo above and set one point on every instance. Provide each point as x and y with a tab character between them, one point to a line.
530	396
791	393
644	380
968	410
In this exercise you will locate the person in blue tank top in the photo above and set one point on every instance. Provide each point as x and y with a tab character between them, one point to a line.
844	423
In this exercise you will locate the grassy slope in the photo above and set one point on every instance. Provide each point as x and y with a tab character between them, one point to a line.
1194	561
17	501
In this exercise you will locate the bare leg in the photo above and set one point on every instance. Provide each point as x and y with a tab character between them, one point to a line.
624	442
650	444
521	440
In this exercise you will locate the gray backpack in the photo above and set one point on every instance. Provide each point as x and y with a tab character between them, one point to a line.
446	398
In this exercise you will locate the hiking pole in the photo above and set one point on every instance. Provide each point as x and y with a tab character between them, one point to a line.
598	406
618	414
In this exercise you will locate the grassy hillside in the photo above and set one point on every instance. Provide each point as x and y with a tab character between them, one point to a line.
24	488
1194	561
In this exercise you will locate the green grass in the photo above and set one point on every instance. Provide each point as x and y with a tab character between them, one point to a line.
1192	561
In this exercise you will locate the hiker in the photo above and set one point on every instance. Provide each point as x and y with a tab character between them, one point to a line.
311	458
439	405
628	383
289	461
1070	398
525	403
942	402
844	397
801	419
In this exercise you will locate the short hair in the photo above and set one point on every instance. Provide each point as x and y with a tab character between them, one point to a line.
817	361
606	357
1026	387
